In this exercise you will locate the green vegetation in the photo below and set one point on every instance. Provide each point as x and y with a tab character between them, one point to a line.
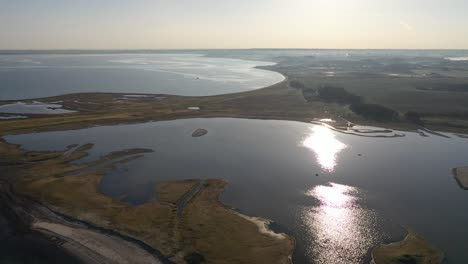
279	101
414	117
432	87
374	112
451	87
337	95
297	84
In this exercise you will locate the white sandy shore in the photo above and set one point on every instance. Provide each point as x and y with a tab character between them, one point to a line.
263	226
94	247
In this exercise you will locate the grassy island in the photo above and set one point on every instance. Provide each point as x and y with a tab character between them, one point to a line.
200	132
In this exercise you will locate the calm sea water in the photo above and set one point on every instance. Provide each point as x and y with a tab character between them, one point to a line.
338	194
38	75
17	246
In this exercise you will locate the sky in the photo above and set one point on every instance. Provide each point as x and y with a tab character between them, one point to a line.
233	24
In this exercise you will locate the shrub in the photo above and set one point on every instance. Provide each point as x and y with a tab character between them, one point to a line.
297	84
337	95
374	112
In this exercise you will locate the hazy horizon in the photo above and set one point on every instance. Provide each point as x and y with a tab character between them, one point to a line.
210	24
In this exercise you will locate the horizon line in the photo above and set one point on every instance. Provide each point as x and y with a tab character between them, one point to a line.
189	49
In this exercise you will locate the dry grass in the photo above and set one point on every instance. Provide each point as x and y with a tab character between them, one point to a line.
171	192
206	227
413	249
212	230
275	102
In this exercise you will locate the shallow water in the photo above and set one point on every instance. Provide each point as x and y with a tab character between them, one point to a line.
338	194
39	75
33	108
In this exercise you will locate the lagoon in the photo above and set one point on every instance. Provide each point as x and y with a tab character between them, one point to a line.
338	194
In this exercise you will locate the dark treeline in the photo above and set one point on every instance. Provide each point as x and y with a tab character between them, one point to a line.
339	95
374	112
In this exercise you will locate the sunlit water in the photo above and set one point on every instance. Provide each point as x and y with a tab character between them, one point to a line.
325	146
39	75
337	194
341	230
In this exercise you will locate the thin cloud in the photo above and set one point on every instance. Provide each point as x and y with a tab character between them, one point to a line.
406	26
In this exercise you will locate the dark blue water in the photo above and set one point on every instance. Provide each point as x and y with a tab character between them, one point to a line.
338	194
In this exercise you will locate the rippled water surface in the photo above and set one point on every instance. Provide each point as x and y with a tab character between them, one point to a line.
339	194
39	75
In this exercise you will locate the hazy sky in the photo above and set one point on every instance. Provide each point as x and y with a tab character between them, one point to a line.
174	24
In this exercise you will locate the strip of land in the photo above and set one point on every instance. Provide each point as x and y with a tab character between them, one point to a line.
461	176
413	249
279	102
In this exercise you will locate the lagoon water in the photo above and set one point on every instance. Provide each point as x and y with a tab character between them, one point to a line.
338	194
39	75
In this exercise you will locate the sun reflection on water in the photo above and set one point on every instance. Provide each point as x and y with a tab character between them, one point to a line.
339	229
325	145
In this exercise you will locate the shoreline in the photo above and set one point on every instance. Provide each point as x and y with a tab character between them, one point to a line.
99	245
276	102
101	229
461	177
412	249
259	65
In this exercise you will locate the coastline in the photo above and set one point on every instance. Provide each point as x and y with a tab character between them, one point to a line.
412	249
96	117
101	229
276	102
99	246
461	177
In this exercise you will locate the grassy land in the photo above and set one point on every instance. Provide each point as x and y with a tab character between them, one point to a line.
279	101
206	230
413	249
275	102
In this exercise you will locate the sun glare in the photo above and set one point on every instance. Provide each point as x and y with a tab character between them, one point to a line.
341	230
323	142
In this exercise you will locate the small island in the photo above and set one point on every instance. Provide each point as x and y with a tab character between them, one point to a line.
461	176
200	132
413	249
